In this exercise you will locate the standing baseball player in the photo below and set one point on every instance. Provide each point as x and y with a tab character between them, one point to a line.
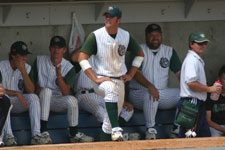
149	91
108	72
5	107
54	77
16	81
193	87
91	102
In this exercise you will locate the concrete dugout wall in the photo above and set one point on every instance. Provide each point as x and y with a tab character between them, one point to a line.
175	34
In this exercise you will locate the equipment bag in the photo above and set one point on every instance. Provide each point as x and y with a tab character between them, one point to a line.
187	115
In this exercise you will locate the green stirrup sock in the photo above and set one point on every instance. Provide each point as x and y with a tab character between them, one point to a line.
105	137
122	122
112	110
44	125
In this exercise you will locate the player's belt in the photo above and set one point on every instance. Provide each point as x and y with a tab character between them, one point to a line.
118	78
87	91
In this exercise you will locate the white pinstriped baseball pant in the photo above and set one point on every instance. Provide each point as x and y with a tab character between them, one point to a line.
58	104
34	112
111	91
95	105
141	100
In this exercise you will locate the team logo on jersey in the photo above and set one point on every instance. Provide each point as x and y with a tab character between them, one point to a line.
164	62
21	85
121	50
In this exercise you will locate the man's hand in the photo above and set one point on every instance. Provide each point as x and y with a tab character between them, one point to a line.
128	105
102	79
2	91
23	100
20	65
153	92
58	70
126	77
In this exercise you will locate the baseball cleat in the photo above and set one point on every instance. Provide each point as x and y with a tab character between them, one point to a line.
117	134
150	134
81	137
41	138
10	140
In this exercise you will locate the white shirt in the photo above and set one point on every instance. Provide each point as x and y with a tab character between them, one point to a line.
192	70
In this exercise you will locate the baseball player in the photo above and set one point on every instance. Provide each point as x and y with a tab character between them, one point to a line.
193	84
91	102
16	82
54	77
108	72
5	107
149	91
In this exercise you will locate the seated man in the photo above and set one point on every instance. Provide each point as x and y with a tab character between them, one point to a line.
153	92
16	81
54	77
5	107
215	110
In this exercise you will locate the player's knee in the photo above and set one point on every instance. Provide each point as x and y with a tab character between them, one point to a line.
34	97
45	92
72	101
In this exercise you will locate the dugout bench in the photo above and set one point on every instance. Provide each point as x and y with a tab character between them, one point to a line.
57	125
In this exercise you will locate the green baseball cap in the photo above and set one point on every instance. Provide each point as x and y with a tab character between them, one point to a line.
113	11
198	37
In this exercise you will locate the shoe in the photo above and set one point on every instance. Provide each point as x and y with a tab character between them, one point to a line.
1	142
151	134
175	131
10	140
41	138
117	134
131	136
81	137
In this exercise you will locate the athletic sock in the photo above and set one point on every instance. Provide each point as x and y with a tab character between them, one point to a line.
73	131
112	110
105	137
122	121
44	125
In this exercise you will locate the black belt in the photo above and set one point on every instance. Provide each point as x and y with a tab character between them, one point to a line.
118	78
199	102
87	91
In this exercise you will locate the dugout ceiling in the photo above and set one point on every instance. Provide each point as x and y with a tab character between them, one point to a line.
58	12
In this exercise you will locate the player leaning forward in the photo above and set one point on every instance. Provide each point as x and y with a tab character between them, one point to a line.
19	87
54	77
108	45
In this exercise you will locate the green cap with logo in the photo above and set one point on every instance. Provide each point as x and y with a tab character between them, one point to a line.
113	11
198	37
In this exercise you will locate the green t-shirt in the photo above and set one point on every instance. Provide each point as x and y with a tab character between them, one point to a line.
68	79
175	63
90	45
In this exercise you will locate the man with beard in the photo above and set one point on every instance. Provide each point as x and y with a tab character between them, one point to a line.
149	91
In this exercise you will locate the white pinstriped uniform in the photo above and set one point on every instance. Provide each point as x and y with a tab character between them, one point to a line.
91	102
50	96
108	62
13	80
155	68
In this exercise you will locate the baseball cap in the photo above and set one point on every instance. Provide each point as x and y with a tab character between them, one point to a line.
198	37
153	27
114	11
19	47
58	41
